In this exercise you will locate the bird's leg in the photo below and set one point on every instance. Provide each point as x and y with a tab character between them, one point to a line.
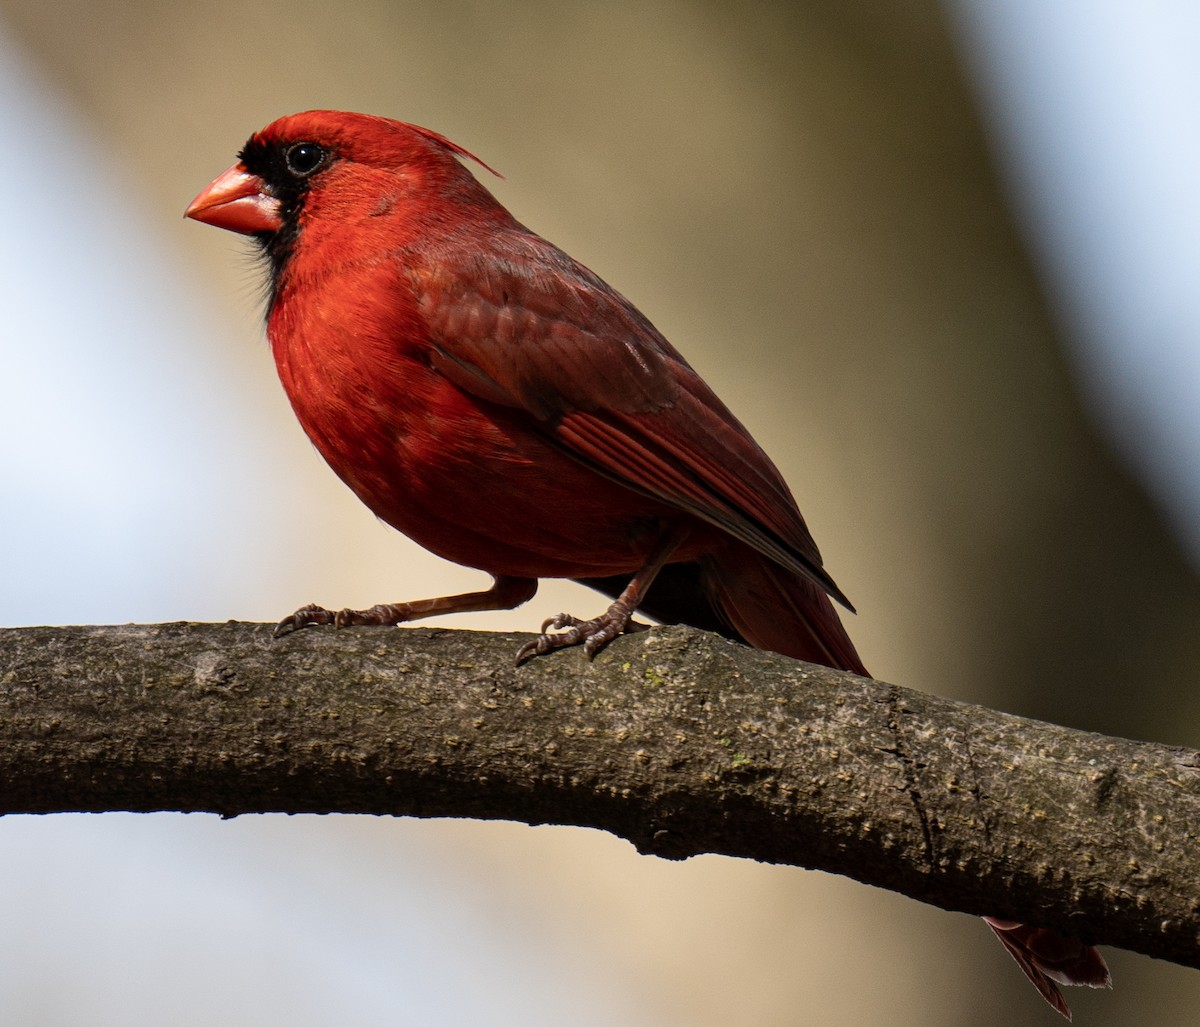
596	633
504	594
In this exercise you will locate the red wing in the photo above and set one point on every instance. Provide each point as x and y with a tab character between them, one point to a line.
722	479
527	327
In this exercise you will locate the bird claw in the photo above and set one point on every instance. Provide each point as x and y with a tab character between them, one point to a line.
593	634
312	616
305	617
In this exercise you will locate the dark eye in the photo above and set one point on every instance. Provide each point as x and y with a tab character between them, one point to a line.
304	158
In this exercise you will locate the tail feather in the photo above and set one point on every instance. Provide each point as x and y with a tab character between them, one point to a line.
774	608
1048	960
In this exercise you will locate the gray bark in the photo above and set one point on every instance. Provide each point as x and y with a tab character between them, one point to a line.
676	740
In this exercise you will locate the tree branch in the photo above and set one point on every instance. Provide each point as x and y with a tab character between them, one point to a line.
676	740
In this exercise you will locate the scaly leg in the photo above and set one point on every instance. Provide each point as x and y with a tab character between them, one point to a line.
596	633
504	594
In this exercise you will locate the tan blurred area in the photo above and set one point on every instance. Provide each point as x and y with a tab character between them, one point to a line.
800	196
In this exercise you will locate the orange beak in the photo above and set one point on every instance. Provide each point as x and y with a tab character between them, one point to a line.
238	201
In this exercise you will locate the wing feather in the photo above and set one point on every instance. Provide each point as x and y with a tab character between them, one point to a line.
525	326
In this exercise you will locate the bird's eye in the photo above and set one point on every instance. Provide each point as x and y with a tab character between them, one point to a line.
304	158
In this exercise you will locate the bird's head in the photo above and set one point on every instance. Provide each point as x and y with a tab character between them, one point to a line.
320	151
322	175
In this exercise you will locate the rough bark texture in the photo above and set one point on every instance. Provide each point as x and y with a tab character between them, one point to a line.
678	741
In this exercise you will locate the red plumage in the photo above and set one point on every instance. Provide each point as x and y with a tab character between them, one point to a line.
497	402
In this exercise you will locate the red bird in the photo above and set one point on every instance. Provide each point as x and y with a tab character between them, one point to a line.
501	405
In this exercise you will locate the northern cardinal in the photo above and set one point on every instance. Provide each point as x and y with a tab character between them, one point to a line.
500	404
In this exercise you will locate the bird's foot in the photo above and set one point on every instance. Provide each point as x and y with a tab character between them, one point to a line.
594	634
505	593
385	614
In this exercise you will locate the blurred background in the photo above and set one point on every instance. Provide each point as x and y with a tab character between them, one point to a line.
941	259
